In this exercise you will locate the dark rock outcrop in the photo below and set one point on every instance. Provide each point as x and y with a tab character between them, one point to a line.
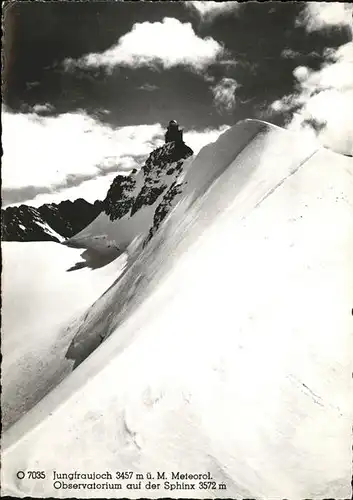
130	194
48	222
24	223
69	217
120	198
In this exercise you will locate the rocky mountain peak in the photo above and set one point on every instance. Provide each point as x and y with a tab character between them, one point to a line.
144	187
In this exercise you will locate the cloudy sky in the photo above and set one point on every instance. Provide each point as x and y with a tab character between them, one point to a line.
89	87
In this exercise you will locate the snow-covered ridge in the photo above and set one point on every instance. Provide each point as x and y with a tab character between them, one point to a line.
223	159
226	337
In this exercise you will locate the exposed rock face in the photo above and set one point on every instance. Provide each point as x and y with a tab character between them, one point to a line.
25	223
157	184
50	222
69	217
133	192
120	197
168	201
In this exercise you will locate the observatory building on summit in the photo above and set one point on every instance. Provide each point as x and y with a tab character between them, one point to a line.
173	133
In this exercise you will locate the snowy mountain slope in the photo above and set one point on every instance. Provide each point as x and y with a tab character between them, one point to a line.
229	346
40	300
22	391
239	151
131	202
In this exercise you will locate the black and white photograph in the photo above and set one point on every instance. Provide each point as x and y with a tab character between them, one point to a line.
177	249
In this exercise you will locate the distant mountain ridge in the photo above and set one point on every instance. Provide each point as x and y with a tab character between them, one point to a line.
126	196
49	222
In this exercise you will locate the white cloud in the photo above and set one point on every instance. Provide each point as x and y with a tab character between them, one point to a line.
301	73
148	87
289	54
293	54
30	85
224	94
209	10
324	100
43	108
168	43
320	15
336	73
287	103
197	139
51	152
91	190
75	156
332	111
